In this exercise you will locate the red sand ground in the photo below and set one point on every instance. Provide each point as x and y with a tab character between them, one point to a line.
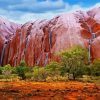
49	91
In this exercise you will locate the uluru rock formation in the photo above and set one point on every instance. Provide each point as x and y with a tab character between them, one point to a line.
37	42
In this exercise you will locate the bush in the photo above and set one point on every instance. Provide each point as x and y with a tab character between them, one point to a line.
23	63
42	74
87	70
21	72
35	73
1	70
95	70
56	78
10	78
22	69
73	61
49	79
29	75
53	69
7	70
39	73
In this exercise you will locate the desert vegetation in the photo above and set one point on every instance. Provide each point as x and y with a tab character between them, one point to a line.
73	66
70	79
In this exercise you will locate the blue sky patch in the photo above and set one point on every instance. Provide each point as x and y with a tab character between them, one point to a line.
22	11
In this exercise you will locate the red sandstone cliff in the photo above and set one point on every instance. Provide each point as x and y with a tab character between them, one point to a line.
7	32
37	42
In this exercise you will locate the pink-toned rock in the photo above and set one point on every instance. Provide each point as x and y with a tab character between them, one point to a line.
7	32
37	42
95	13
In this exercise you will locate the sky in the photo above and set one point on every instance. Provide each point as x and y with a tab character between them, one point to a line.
22	11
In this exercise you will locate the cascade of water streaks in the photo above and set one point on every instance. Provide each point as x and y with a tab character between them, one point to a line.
46	58
50	39
38	60
2	54
93	36
50	46
89	50
41	54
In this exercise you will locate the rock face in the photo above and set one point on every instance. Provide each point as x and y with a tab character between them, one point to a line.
7	32
37	42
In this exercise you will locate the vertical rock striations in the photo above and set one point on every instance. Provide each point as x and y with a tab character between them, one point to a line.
37	42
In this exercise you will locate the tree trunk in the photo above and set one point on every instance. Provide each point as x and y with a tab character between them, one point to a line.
74	76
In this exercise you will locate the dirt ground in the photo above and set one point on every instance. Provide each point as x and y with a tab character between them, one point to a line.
49	91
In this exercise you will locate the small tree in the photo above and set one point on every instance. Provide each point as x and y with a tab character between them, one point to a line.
73	61
22	69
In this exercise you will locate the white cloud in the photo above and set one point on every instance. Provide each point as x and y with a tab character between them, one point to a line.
38	7
22	17
49	15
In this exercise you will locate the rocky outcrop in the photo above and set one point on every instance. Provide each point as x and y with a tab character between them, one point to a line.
7	32
37	42
90	31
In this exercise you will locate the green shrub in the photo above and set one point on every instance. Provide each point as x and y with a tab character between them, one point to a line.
12	77
7	70
1	70
39	73
23	63
29	75
22	69
35	73
73	61
52	69
21	72
56	78
95	70
14	70
42	74
62	78
87	70
49	79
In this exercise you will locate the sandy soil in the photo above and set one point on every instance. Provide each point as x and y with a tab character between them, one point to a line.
49	91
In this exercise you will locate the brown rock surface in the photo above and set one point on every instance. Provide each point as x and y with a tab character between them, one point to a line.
37	42
7	32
